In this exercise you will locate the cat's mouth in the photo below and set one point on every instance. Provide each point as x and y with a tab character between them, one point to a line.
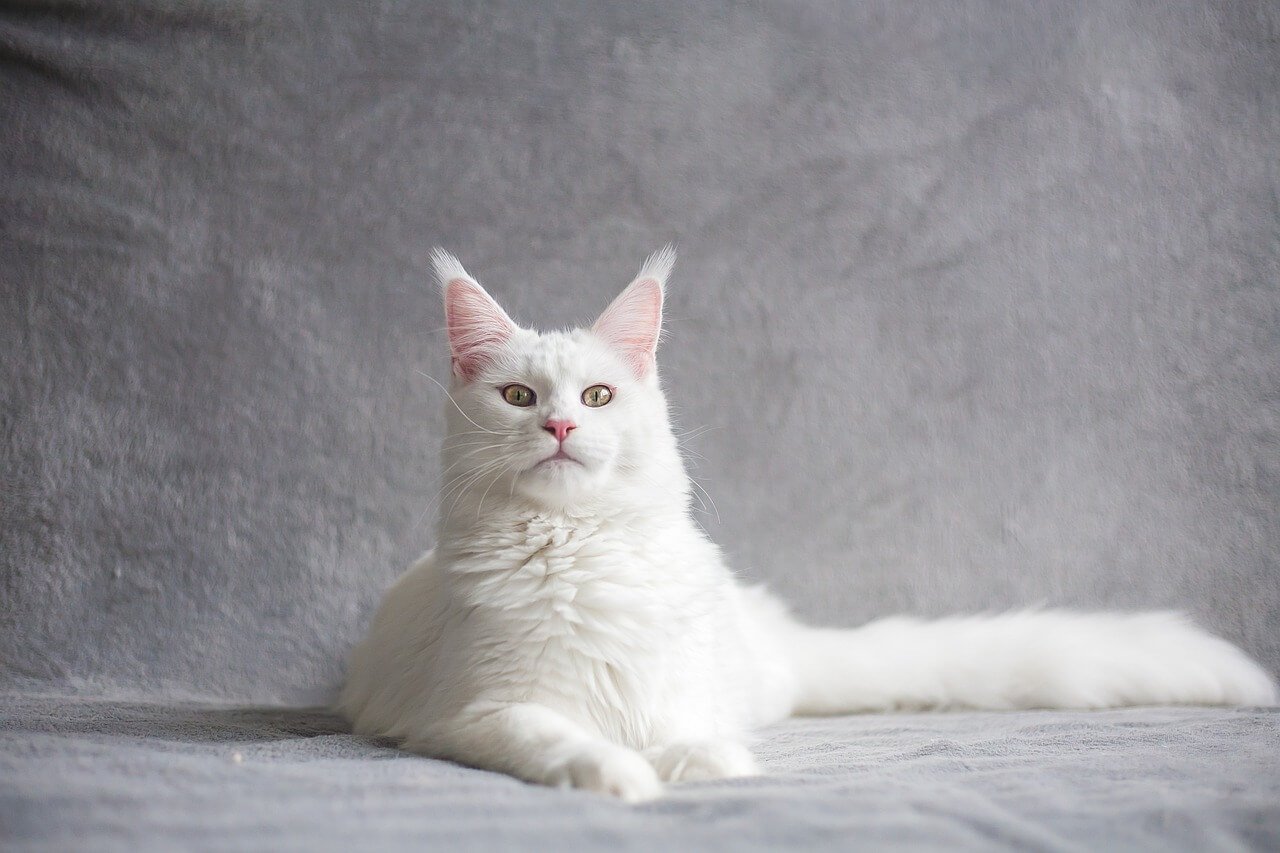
558	458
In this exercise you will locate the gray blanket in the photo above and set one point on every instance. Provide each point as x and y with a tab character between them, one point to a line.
143	777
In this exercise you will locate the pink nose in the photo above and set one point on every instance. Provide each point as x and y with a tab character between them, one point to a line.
560	429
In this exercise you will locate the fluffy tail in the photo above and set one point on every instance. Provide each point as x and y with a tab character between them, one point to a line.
1036	659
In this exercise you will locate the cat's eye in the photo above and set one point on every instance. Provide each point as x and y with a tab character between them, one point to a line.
519	395
597	395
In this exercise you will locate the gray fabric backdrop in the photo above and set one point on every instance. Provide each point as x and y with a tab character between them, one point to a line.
977	304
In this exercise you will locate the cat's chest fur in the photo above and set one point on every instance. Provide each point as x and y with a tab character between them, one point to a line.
591	615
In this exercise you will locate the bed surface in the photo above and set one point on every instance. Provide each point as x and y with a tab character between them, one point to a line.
139	776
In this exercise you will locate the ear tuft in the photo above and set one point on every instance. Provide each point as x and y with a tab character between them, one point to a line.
633	322
477	324
658	266
447	267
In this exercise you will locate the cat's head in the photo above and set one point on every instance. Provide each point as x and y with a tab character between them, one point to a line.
561	418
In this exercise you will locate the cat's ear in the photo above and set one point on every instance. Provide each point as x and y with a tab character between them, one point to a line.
477	325
633	322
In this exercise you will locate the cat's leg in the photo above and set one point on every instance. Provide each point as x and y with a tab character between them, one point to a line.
538	744
699	759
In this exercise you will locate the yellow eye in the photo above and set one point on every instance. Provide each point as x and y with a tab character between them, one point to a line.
597	395
519	395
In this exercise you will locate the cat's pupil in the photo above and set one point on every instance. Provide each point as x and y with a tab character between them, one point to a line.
519	395
597	395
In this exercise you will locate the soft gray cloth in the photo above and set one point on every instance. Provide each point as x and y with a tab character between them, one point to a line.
137	777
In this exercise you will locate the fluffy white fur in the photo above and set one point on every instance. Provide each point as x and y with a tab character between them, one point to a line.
574	627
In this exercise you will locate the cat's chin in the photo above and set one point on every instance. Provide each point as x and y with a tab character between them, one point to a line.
560	460
558	481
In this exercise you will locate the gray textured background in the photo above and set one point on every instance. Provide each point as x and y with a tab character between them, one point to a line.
978	303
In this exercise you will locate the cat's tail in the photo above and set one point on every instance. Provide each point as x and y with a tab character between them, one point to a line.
1032	659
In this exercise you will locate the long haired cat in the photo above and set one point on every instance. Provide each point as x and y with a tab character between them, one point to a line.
575	627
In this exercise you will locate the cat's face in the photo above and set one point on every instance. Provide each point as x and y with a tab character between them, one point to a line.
555	417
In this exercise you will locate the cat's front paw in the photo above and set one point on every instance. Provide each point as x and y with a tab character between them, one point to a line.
698	761
608	770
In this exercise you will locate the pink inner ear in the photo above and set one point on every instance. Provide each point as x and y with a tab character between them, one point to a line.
633	322
477	326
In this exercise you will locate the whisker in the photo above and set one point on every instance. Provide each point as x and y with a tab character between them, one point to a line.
463	457
482	431
698	488
505	469
461	483
455	402
446	486
438	493
462	490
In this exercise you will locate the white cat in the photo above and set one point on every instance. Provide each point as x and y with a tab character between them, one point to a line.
574	627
